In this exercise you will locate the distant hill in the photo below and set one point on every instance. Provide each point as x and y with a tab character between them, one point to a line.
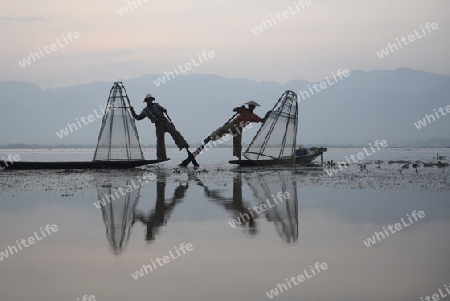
361	108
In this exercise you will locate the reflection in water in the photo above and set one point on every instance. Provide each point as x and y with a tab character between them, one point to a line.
266	186
118	215
160	214
234	205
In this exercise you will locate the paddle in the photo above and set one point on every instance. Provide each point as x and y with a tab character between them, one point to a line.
201	147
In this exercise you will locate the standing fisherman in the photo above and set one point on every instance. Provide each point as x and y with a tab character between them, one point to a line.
236	126
155	113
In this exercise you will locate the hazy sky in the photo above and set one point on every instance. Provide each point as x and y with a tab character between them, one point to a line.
156	35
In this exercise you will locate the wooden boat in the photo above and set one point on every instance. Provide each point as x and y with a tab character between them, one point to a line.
119	164
303	157
270	162
307	155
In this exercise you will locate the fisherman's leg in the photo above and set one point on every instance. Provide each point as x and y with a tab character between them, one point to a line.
217	134
229	128
179	140
237	145
160	142
176	135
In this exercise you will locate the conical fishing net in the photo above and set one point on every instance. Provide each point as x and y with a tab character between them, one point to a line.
118	138
276	139
270	188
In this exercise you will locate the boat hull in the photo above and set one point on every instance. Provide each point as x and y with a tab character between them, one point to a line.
20	165
306	159
299	160
249	163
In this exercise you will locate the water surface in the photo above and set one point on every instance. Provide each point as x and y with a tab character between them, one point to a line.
95	251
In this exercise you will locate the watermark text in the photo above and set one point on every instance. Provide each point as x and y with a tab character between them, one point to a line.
245	217
159	262
279	17
187	67
11	250
391	48
398	226
359	157
34	56
423	122
318	267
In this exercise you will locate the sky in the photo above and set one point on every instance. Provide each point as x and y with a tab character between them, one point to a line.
309	43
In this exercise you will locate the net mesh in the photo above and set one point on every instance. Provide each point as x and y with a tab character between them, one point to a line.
271	187
118	197
118	138
276	139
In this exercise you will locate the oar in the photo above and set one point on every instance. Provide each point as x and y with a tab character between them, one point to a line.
201	147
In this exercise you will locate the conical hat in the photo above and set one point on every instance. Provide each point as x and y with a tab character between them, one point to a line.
149	97
252	103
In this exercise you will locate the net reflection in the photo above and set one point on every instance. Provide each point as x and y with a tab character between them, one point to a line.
266	186
119	214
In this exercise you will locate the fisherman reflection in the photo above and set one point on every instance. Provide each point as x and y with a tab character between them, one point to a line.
159	216
235	206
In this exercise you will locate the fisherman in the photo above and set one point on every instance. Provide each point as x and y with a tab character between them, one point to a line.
236	126
155	113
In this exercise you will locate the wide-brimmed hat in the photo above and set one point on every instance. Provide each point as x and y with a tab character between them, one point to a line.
252	103
148	97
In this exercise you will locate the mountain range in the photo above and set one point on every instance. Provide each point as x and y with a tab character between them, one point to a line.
356	110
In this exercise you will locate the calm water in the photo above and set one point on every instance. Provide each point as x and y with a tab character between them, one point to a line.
95	251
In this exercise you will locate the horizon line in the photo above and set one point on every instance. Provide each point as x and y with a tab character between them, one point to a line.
209	74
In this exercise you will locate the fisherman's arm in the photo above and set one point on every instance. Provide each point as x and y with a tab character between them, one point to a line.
238	109
255	118
266	116
140	116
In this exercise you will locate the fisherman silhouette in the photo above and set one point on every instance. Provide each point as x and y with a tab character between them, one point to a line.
234	205
159	216
163	124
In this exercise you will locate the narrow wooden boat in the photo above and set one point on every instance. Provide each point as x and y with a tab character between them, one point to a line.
307	155
119	164
303	157
251	163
